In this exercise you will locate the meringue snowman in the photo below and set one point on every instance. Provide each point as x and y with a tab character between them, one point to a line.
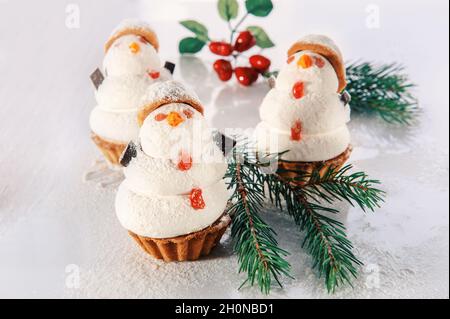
131	64
304	115
173	199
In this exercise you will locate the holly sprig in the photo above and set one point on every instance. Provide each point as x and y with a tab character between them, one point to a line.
241	39
325	239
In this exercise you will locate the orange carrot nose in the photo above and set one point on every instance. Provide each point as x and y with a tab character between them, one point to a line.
174	119
296	131
134	48
305	61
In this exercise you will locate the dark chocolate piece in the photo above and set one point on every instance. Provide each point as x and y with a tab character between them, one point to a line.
170	66
129	153
345	97
97	78
272	81
225	143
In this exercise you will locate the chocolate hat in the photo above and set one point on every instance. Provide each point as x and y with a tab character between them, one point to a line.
163	93
135	27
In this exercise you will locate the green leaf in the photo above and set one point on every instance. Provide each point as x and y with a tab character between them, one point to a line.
199	29
228	9
191	45
259	8
262	39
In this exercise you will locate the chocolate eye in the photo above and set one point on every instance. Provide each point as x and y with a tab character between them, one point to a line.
129	153
169	66
345	97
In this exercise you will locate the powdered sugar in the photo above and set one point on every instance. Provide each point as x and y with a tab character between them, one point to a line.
132	23
171	91
322	40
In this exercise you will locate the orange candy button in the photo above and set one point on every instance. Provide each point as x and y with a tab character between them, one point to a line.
160	117
185	162
189	114
134	47
305	61
298	90
174	119
154	74
196	198
296	131
319	62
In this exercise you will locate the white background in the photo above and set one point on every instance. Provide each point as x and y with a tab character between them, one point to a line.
50	218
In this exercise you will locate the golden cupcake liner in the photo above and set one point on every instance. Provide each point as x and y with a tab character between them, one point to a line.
186	247
288	171
111	150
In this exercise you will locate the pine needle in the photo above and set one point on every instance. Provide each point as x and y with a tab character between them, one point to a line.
382	90
259	254
254	240
325	238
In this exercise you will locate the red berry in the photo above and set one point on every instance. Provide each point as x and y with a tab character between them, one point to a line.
296	131
221	48
298	90
260	63
160	117
245	41
189	114
319	62
246	76
223	69
196	198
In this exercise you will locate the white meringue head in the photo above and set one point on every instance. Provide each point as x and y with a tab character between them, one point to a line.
320	77
131	55
176	128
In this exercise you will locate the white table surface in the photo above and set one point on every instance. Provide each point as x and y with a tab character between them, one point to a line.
51	219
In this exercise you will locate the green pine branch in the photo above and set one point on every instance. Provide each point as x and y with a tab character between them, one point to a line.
339	184
383	90
254	240
325	238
